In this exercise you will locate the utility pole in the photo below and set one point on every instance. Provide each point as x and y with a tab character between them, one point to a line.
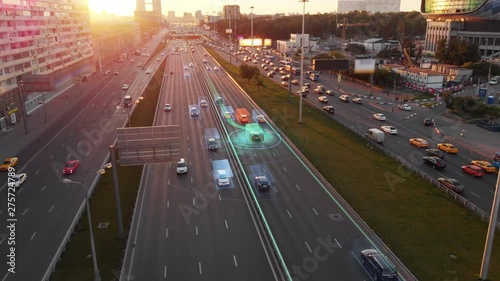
251	25
302	58
229	32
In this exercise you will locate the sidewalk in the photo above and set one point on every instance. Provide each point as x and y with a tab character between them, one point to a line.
15	139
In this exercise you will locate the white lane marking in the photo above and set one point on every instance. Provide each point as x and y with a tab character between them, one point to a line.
43	188
24	212
338	243
199	267
168	182
166	233
274	154
191	179
33	236
168	204
165	271
285	169
52	207
309	248
225	222
62	144
475	194
315	212
51	156
219	198
235	262
38	171
290	215
297	186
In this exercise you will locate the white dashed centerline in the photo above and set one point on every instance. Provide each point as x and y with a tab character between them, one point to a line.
168	204
337	243
285	169
33	236
52	207
219	198
24	212
309	248
196	228
315	212
297	186
165	271
166	233
43	188
475	194
235	262
290	215
225	222
194	203
199	267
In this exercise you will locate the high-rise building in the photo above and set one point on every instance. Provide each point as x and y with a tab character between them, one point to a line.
198	15
372	6
476	21
171	14
44	45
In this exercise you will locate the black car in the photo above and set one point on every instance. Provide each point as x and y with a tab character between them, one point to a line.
452	184
435	152
428	122
212	144
262	184
329	109
435	162
379	267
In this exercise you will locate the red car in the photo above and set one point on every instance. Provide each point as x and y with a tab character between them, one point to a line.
71	167
473	170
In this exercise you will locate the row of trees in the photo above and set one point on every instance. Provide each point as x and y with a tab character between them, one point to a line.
380	25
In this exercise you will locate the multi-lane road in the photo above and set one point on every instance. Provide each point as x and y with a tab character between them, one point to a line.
45	207
175	235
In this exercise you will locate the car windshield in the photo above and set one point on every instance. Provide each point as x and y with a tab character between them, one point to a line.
6	162
70	164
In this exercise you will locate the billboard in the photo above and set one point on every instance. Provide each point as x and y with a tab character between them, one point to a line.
330	64
256	42
364	66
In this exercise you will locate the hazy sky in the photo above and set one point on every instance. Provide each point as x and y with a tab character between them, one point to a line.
126	7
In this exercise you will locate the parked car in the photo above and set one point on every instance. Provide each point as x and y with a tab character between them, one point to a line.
473	170
452	184
419	142
435	162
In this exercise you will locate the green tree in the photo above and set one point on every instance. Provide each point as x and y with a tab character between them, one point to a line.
248	71
457	52
259	82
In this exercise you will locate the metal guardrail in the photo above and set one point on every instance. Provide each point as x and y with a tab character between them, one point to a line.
476	210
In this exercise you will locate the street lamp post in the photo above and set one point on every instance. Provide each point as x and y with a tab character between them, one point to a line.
20	86
229	33
302	58
251	25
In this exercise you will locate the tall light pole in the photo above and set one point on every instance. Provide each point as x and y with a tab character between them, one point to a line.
491	232
229	31
251	25
20	87
302	58
97	276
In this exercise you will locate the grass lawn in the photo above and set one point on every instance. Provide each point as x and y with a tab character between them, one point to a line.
76	261
421	225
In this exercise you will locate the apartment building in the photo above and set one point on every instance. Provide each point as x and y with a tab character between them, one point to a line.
44	46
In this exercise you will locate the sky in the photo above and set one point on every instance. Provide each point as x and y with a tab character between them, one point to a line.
126	7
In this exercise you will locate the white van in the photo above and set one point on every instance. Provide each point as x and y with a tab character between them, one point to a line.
376	135
182	167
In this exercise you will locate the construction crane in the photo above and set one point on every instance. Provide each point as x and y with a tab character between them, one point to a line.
345	24
407	59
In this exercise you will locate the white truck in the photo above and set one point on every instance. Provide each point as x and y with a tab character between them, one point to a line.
375	135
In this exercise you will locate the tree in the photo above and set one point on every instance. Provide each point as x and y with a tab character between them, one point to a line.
248	71
457	52
259	82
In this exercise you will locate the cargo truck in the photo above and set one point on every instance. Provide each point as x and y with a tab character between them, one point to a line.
242	116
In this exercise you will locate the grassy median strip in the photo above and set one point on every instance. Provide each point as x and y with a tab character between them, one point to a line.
76	261
435	237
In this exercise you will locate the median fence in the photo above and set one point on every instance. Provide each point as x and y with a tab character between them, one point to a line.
476	210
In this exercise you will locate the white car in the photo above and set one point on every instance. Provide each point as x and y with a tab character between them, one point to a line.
148	71
344	98
204	61
203	104
125	87
405	106
216	68
187	75
19	179
222	178
390	130
191	64
379	116
186	67
323	99
168	107
357	100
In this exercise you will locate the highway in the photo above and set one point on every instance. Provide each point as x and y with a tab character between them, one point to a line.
301	209
186	226
45	207
478	191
